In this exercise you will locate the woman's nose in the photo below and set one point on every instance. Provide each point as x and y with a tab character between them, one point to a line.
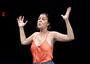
40	20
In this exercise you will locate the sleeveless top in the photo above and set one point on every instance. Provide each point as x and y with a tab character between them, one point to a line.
42	53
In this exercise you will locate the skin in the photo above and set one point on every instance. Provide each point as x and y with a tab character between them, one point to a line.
43	24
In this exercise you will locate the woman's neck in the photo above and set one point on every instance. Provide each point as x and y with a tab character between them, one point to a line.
43	31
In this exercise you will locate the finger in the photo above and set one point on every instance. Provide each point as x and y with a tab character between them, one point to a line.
18	21
68	10
22	18
26	22
62	15
18	18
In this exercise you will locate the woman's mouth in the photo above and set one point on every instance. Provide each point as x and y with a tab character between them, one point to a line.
39	24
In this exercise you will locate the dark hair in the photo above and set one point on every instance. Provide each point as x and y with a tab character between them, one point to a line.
45	14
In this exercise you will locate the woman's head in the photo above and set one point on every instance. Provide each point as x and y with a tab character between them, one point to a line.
42	22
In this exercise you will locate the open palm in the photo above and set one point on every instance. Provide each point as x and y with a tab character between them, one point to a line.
21	22
66	16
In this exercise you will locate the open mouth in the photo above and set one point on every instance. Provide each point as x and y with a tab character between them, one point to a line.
39	24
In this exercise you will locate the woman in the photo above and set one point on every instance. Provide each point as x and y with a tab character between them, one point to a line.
42	41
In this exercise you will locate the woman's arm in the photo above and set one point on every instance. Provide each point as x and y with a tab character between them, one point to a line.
70	35
21	24
24	40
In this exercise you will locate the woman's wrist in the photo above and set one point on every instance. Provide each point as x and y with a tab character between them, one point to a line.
21	26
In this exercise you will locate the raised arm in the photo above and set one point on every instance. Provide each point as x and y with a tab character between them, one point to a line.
21	24
70	35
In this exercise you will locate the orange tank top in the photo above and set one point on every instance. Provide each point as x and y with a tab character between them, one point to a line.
42	53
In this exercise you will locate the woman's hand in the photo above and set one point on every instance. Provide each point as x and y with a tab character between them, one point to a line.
66	16
21	22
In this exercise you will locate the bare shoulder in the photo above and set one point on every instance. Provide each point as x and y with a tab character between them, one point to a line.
53	32
35	33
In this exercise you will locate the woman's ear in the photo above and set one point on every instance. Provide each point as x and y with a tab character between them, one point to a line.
49	27
48	24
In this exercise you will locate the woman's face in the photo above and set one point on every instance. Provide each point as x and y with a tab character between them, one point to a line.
42	21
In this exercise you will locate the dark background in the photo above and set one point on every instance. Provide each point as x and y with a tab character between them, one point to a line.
12	52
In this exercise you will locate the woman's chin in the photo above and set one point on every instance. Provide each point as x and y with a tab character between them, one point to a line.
39	27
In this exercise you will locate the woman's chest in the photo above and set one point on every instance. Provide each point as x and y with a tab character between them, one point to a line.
38	40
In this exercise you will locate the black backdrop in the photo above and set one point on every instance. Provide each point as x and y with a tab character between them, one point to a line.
12	52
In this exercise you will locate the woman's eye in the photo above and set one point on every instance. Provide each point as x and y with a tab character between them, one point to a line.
43	19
